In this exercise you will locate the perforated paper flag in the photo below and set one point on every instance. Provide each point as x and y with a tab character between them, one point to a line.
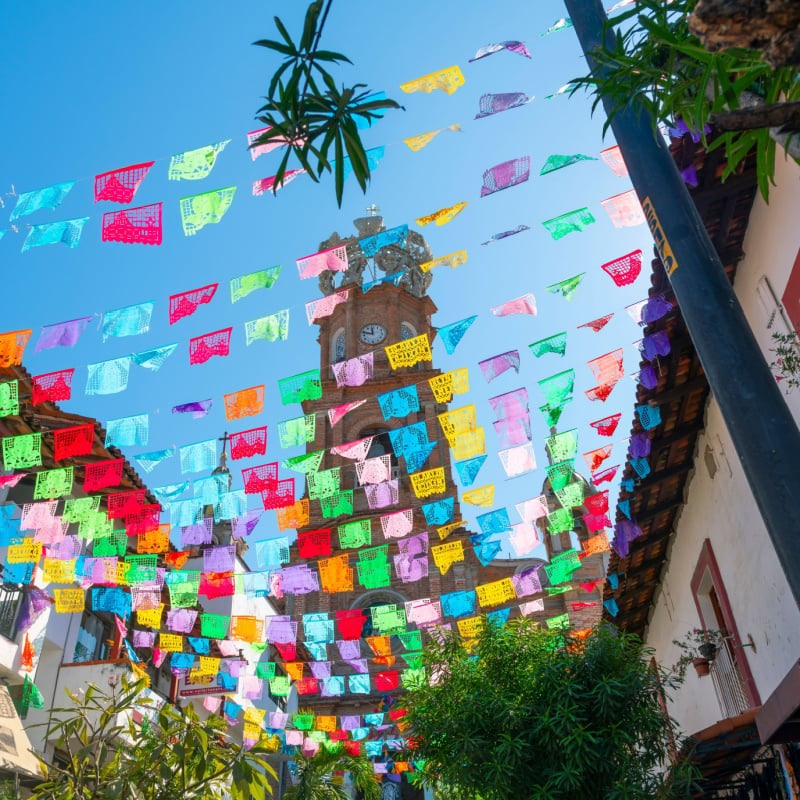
556	162
496	593
334	259
103	474
62	334
445	555
12	347
186	303
649	416
495	103
394	279
625	269
612	156
571	222
67	232
53	386
448	80
447	384
397	525
399	403
468	470
69	601
451	260
245	403
49	197
198	457
557	343
257	150
451	334
608	369
624	209
595	458
202	348
513	431
120	185
374	157
558	388
457	422
497	365
108	377
512	46
521	305
154	359
607	425
439	512
562	446
505	234
567	287
249	443
141	225
128	321
410	352
337	413
317	309
524	538
571	495
197	408
427	483
420	140
272	328
204	209
9	398
52	483
303	386
355	371
394	236
196	164
443	215
505	175
244	285
558	25
598	324
483	496
605	475
264	185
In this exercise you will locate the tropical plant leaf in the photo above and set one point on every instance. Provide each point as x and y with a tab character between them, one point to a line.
301	112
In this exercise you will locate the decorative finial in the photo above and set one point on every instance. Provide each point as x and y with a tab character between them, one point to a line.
372	210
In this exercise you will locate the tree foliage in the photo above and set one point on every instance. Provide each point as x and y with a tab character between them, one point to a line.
655	61
314	776
533	713
305	109
172	754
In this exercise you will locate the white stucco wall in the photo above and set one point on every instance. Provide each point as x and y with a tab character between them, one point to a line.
722	508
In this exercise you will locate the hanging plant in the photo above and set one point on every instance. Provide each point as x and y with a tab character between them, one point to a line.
699	648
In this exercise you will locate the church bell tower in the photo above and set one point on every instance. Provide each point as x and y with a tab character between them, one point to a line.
377	313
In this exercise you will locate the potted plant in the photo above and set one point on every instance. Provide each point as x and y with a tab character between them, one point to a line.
699	648
786	365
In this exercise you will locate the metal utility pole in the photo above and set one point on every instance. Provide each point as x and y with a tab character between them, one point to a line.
764	433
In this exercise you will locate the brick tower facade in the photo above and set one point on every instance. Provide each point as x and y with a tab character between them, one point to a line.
367	322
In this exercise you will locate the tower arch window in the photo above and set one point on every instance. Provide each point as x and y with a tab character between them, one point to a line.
381	443
338	346
407	331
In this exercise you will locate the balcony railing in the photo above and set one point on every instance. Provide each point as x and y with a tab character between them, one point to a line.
728	681
10	601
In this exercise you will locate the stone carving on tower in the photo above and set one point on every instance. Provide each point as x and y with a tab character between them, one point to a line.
389	260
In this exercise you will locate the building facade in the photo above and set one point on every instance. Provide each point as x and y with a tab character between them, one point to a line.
701	559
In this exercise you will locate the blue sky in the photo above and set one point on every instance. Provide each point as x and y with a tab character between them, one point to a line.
99	86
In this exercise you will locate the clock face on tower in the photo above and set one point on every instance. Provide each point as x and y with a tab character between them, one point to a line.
372	333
